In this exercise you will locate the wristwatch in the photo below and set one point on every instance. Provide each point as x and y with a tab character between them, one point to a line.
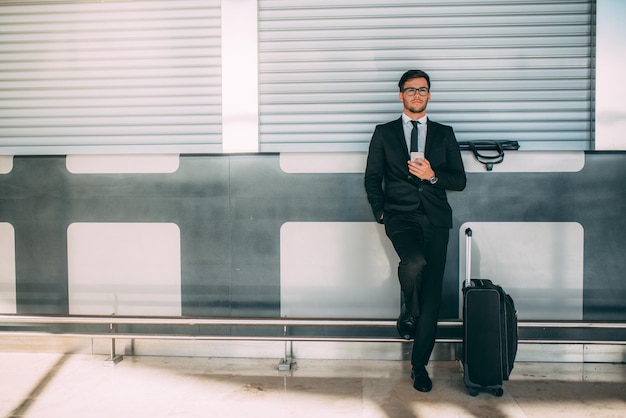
433	180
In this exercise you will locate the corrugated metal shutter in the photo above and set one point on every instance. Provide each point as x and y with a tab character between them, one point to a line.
84	76
515	70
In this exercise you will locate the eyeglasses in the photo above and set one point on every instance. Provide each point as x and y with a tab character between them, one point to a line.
410	91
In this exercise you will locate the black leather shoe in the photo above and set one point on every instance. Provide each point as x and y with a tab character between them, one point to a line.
421	381
406	326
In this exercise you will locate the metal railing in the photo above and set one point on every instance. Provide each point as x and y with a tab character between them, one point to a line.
112	321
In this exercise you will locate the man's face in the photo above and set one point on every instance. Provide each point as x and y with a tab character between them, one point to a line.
415	105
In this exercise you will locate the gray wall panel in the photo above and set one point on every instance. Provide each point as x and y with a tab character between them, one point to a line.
34	201
594	197
230	210
262	199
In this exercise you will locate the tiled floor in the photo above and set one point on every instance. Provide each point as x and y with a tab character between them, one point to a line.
54	385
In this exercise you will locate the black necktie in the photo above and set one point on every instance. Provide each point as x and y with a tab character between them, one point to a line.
414	137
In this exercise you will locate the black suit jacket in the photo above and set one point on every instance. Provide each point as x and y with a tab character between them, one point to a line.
390	187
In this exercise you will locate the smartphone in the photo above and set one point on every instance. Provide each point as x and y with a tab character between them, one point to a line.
417	154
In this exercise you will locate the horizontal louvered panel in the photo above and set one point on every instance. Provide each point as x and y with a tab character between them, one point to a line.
516	70
167	140
93	74
275	110
89	111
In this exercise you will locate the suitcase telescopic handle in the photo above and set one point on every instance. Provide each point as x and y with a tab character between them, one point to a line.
468	256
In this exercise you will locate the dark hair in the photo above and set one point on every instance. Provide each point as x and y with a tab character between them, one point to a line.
411	74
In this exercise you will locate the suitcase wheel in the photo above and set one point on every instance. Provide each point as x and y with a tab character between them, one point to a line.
475	391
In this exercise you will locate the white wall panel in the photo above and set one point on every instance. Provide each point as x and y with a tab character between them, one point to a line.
540	264
124	269
118	164
337	269
6	164
528	162
514	162
8	301
610	86
323	162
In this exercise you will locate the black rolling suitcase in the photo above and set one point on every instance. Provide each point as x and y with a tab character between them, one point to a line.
489	332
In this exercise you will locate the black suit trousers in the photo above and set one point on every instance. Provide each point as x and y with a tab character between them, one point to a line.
422	249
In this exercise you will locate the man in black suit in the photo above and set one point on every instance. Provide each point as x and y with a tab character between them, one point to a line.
408	195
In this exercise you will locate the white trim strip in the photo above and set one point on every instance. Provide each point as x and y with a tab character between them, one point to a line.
240	103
